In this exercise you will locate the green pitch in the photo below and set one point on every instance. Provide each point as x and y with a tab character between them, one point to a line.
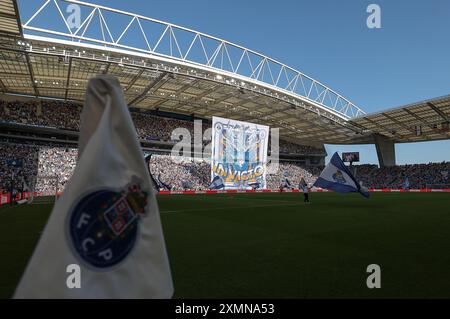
272	245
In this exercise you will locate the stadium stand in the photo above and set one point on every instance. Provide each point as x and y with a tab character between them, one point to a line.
292	148
175	173
38	162
432	175
59	159
47	160
66	115
55	114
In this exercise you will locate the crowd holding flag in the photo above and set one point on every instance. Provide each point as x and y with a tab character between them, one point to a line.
163	185
406	184
107	220
254	185
217	183
337	177
286	183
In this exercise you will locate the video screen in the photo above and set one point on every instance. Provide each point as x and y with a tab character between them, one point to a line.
350	157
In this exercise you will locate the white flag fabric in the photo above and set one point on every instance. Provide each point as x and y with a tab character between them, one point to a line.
107	220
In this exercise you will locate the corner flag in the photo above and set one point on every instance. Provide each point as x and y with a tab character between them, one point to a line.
337	177
106	224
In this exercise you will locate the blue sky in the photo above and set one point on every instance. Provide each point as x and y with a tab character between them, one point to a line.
405	61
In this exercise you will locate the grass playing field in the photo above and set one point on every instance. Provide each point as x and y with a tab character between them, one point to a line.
272	245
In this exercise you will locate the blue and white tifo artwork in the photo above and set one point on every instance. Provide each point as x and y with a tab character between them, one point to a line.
239	153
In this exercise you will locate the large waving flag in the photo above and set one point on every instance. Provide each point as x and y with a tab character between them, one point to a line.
337	177
106	224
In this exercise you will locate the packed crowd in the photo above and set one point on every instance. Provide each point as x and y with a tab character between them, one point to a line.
292	148
180	173
66	115
28	156
159	128
51	161
62	164
432	175
294	173
41	164
42	168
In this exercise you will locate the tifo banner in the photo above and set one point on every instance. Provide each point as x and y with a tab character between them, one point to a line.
239	154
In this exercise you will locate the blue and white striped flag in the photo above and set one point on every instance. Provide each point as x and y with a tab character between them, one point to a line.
406	183
337	177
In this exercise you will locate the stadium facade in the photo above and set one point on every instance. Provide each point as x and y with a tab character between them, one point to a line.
170	70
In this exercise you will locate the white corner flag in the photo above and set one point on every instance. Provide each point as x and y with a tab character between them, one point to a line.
104	237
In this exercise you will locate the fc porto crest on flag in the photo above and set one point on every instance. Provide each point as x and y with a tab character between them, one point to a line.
339	177
103	224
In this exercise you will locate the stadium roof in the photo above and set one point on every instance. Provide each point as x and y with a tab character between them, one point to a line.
422	121
9	17
175	69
